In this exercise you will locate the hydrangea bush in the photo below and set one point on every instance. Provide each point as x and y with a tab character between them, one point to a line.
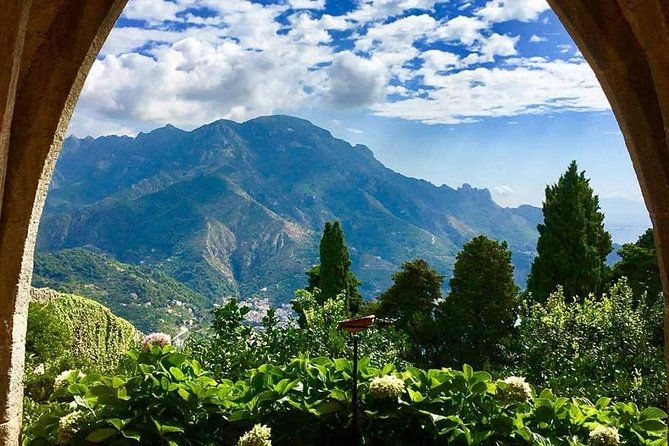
386	387
167	398
260	435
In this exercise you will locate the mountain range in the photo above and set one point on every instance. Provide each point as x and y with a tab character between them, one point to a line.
237	209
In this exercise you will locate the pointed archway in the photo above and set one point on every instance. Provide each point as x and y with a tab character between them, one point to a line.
48	46
46	51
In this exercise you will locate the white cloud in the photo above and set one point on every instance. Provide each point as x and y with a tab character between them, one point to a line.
461	28
154	11
379	10
502	190
437	60
505	10
192	82
355	81
307	4
522	86
355	131
564	49
242	59
393	44
537	39
498	45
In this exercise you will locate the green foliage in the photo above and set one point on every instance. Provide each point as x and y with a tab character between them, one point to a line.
147	297
410	302
167	398
98	337
479	314
68	332
233	345
48	337
638	263
48	342
71	330
334	275
595	347
573	243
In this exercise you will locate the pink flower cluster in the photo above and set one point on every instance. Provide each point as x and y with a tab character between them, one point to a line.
160	339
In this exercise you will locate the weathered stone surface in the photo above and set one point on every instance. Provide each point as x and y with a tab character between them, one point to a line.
47	47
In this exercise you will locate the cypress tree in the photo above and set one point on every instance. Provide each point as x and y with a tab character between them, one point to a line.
479	314
333	275
573	244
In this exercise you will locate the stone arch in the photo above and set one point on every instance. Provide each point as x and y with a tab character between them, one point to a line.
48	46
46	49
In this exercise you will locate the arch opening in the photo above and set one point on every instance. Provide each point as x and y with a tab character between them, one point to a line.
52	49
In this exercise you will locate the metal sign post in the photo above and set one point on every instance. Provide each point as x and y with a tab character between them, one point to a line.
353	327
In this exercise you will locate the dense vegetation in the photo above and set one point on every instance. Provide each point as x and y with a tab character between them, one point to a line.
147	297
591	350
573	244
168	398
67	331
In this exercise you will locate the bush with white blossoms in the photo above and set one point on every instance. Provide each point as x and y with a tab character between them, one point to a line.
159	339
516	389
386	387
260	435
67	427
59	381
604	436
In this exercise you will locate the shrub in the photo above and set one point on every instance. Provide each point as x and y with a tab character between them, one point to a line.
169	399
233	345
600	346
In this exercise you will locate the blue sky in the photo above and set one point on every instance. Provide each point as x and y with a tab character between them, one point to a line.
489	92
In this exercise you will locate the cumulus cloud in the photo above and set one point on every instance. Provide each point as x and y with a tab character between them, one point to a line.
354	81
506	10
193	61
307	4
521	87
537	39
380	10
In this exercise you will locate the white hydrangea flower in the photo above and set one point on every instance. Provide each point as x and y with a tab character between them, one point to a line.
60	380
260	435
517	389
67	427
386	387
604	436
160	339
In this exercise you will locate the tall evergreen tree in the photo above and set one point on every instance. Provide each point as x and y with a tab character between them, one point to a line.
333	275
479	315
573	244
411	301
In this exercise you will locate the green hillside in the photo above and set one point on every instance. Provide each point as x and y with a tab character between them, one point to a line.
149	298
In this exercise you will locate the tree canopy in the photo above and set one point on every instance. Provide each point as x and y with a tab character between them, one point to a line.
411	301
479	314
333	275
573	244
638	262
